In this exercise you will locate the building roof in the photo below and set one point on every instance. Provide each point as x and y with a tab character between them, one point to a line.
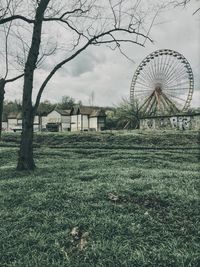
66	112
98	113
91	111
15	115
84	110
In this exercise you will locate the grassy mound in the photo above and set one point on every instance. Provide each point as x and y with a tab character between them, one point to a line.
110	140
103	200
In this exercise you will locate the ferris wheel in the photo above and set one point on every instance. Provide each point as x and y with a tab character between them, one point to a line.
163	83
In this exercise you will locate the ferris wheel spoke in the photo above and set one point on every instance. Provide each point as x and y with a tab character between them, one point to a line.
167	60
142	96
153	66
149	66
142	91
143	79
182	77
157	63
176	89
140	83
173	96
146	69
177	84
147	75
178	79
149	71
169	66
178	75
161	64
158	66
164	64
173	71
179	70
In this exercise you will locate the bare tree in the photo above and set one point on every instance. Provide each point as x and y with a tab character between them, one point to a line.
3	83
5	79
128	114
184	3
85	23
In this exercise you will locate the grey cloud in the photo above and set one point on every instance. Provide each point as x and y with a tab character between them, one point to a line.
109	74
85	62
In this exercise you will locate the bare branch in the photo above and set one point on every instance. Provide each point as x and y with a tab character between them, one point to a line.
114	15
184	3
45	54
54	70
14	79
6	47
15	17
93	41
61	18
196	11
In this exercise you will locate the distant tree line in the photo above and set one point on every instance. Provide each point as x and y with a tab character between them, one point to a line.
125	115
46	106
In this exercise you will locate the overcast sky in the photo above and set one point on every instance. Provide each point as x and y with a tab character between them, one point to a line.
108	74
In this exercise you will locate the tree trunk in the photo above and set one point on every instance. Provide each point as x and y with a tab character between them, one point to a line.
2	92
25	160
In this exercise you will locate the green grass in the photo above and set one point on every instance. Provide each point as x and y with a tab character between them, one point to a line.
154	221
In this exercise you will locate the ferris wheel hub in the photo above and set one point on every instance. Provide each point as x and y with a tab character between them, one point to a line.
158	88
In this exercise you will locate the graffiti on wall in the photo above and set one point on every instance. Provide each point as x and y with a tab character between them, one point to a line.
181	123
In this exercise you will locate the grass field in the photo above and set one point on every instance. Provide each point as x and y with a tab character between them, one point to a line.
134	199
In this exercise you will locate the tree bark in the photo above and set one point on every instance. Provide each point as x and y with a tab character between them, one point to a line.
25	159
2	92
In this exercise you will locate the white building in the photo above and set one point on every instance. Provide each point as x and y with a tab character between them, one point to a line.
87	118
57	121
4	126
14	123
81	118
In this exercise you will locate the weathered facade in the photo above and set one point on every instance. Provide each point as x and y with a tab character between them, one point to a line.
14	122
178	122
87	118
4	126
82	118
57	120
